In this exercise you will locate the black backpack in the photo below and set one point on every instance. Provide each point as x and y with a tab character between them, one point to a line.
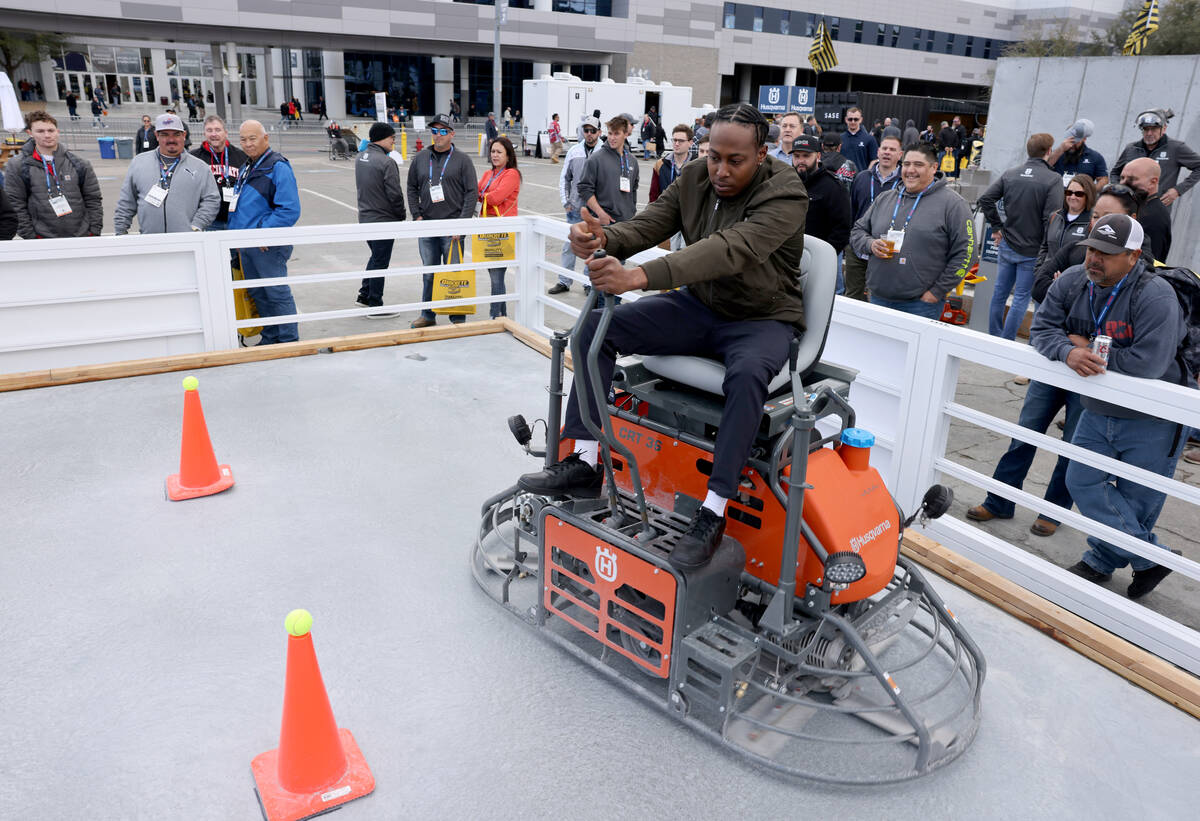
1187	290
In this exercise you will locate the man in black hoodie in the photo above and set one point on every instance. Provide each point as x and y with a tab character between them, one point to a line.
828	202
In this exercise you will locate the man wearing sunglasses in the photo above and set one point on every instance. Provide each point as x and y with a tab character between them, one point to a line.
857	145
1171	155
568	190
441	186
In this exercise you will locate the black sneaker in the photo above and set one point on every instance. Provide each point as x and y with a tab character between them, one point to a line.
1146	580
362	300
698	543
558	288
570	477
1086	571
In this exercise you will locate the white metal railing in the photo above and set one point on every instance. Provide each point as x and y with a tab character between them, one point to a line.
101	299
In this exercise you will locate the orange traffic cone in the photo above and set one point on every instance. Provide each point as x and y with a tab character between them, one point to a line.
199	474
317	766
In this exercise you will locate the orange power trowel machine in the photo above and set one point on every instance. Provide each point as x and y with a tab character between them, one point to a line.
808	643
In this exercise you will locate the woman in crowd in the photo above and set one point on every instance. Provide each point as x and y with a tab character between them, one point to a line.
499	188
1070	224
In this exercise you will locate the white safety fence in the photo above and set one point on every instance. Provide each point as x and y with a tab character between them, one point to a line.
103	299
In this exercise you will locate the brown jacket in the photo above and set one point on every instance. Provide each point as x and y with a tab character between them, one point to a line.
742	258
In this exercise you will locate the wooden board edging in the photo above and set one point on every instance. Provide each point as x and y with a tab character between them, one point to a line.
1140	667
211	359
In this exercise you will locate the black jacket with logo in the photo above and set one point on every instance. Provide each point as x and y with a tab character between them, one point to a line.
1171	156
1032	192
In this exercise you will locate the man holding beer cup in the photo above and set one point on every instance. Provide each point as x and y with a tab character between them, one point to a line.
919	236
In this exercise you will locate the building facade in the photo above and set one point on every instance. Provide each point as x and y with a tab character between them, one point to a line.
423	53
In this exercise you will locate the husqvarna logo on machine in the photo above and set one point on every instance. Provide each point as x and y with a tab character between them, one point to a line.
857	543
606	563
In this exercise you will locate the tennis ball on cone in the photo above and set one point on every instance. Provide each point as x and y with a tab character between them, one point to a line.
298	622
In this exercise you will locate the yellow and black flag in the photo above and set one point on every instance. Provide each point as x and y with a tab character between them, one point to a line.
820	53
1145	25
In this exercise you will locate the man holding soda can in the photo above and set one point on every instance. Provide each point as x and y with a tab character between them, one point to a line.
1112	313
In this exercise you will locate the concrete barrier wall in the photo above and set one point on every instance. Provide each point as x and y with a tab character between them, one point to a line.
1049	93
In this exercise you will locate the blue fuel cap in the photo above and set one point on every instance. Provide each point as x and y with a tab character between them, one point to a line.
858	438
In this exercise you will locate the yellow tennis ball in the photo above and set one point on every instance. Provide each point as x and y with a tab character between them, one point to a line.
190	383
298	622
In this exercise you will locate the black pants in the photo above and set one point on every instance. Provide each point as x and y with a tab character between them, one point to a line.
677	323
381	257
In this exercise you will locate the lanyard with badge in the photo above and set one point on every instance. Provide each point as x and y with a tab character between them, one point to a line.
435	191
221	172
146	138
158	193
246	171
58	200
483	194
626	185
895	182
1098	321
897	237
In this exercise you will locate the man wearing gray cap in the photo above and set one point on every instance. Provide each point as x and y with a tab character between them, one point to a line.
1114	295
167	189
1074	156
1171	155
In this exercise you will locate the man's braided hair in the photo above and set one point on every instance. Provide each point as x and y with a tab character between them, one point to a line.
744	114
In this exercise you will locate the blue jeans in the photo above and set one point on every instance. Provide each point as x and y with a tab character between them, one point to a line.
1014	273
929	310
1042	403
497	308
371	291
568	256
275	300
1152	444
434	251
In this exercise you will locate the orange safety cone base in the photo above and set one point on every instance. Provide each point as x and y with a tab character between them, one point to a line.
176	492
280	805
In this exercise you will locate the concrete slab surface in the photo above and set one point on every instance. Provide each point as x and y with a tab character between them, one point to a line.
144	648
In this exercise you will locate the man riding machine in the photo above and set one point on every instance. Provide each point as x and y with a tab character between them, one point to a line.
772	639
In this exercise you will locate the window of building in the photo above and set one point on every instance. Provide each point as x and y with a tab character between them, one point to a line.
895	36
834	24
858	30
880	34
949	43
970	45
785	23
987	49
730	15
596	8
810	26
758	18
929	35
916	41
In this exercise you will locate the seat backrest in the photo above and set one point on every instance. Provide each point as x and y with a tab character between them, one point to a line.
818	283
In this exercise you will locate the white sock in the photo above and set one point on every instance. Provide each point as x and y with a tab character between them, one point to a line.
588	450
715	503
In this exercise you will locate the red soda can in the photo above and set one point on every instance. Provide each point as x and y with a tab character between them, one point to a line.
1100	346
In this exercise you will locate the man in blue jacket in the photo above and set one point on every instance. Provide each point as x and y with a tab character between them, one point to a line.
266	197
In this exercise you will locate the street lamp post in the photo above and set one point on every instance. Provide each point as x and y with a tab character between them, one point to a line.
501	18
